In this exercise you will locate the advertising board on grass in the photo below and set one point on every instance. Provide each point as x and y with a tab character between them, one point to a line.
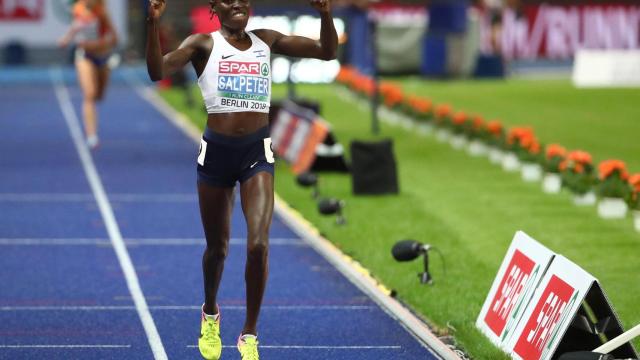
521	270
568	312
550	313
542	305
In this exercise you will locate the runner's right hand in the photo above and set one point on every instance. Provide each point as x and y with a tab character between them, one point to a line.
156	8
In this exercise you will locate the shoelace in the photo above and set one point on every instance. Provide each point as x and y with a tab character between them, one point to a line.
251	351
211	334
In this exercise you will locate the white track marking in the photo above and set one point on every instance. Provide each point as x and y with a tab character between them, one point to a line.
85	197
201	241
46	197
63	346
108	217
140	242
187	308
196	241
155	198
319	347
54	242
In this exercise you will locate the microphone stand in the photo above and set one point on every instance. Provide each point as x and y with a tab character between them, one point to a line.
425	277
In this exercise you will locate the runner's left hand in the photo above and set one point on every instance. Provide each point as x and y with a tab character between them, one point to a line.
323	6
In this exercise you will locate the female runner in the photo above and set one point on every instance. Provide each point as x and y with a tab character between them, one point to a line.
95	39
234	74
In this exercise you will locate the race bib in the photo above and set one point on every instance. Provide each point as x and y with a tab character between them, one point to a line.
244	85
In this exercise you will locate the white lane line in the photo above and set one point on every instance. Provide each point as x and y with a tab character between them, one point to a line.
139	242
46	197
108	217
155	197
84	197
63	346
201	241
320	347
56	242
188	308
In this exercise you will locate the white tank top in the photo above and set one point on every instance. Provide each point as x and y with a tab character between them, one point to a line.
87	30
234	80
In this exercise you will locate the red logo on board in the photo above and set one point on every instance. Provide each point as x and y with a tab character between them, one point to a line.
511	286
21	9
544	319
239	68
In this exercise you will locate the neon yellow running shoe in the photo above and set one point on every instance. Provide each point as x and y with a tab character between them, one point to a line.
248	347
209	342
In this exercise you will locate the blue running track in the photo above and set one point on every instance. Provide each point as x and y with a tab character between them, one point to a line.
63	291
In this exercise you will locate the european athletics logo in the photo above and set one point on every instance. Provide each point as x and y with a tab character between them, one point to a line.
243	80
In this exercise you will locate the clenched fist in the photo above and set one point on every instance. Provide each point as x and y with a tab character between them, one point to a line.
323	6
156	8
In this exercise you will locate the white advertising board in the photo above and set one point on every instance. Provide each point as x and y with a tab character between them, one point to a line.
550	311
40	23
606	68
518	276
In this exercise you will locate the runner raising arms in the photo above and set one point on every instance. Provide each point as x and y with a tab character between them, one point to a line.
234	74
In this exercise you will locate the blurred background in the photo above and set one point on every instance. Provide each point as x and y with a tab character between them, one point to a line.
436	38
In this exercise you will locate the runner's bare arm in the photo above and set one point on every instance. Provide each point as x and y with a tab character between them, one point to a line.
159	66
68	36
298	46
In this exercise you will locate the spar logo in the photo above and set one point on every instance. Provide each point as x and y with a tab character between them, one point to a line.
514	282
549	313
239	68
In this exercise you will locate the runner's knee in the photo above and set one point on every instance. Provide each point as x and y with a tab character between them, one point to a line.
217	246
91	96
257	250
218	253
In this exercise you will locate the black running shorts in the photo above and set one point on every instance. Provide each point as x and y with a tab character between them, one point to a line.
223	160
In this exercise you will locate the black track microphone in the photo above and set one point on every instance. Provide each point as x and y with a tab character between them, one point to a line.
307	179
407	250
329	206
